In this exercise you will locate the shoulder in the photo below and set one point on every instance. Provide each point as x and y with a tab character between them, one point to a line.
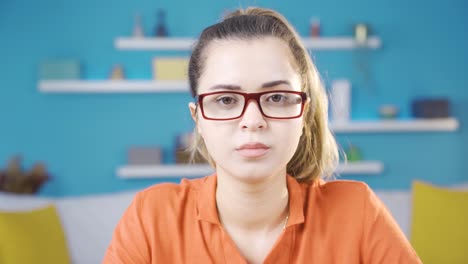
342	189
170	194
186	185
342	195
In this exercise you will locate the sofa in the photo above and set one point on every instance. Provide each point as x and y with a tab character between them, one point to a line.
88	221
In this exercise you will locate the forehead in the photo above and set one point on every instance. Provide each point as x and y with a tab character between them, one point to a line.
247	63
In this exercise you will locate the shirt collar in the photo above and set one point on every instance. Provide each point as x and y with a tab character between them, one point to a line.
206	201
296	202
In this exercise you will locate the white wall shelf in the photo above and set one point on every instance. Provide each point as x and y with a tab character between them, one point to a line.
361	167
164	171
193	171
170	43
154	43
340	43
111	86
151	86
391	126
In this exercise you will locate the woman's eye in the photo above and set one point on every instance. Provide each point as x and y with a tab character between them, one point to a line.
226	100
276	98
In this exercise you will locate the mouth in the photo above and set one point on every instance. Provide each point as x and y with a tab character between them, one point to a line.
253	150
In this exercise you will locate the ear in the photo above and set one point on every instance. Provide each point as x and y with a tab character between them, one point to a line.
193	112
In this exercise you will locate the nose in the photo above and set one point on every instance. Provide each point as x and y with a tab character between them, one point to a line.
252	118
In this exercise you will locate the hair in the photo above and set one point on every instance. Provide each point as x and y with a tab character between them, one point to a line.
317	153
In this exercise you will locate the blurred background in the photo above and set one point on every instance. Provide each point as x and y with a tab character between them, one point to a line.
82	139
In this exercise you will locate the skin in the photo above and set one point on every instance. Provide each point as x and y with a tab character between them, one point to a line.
252	195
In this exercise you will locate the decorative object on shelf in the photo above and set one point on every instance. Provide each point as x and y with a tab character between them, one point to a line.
59	69
430	107
361	33
138	31
314	27
388	111
144	155
361	56
340	100
353	153
117	73
160	29
15	180
182	151
170	68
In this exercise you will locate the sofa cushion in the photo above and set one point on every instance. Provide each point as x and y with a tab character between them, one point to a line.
399	205
438	230
89	222
32	237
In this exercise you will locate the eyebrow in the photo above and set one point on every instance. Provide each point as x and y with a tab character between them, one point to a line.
275	83
237	87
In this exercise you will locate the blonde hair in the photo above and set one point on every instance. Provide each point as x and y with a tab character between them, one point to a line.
317	152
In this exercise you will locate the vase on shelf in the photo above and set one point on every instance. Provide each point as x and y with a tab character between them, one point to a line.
138	31
161	28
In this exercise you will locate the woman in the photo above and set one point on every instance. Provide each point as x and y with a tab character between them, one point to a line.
261	122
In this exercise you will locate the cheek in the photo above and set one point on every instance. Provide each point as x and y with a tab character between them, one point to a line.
293	129
289	135
213	134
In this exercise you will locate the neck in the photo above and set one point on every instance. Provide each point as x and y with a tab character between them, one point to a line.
259	206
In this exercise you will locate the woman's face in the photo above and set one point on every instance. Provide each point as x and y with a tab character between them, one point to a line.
251	147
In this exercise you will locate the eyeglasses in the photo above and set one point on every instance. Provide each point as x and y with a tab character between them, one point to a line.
278	104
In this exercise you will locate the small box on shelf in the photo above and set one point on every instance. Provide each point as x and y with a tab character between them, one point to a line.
144	155
430	108
170	68
59	69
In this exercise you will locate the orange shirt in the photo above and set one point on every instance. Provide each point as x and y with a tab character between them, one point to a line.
329	222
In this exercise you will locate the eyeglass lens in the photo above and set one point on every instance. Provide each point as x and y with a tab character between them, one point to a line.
231	105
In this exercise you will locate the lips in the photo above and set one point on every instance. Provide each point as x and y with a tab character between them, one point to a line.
253	150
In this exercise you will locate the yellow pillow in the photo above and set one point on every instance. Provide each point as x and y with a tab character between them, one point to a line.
439	230
32	237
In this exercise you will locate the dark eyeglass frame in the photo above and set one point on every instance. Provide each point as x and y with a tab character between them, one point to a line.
247	98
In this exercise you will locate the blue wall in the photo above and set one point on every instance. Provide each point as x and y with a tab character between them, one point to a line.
83	138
